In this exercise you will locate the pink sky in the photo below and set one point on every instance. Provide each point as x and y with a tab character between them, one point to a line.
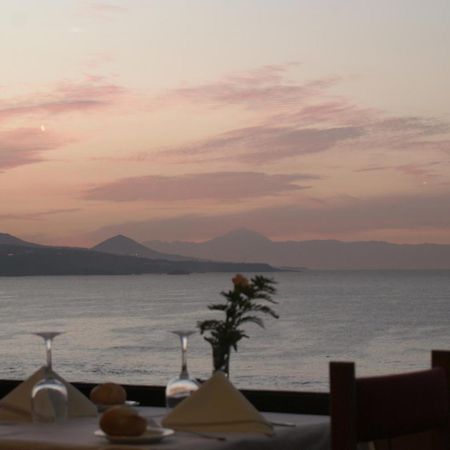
165	120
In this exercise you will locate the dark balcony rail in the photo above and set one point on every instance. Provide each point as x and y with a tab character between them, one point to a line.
264	400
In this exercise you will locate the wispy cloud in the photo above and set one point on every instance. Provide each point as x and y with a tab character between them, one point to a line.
101	8
259	89
275	141
425	171
265	144
206	186
434	173
26	146
294	119
417	126
37	215
91	93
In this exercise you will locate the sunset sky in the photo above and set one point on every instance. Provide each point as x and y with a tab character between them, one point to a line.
182	120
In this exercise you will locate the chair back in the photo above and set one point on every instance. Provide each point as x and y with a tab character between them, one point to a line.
386	407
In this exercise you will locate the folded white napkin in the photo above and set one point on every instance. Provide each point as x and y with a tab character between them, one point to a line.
16	406
217	407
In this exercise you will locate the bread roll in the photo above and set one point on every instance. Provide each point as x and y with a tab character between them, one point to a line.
108	394
122	421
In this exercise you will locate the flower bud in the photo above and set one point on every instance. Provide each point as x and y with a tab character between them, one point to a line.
240	281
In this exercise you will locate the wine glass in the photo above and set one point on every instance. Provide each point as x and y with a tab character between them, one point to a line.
182	386
49	395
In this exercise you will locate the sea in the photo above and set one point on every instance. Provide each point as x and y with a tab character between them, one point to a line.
118	328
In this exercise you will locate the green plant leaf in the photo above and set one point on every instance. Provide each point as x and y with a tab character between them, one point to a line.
241	306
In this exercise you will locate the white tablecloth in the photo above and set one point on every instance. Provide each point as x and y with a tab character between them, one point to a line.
311	433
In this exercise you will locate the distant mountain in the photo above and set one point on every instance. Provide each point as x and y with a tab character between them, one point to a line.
240	245
7	239
122	245
19	259
246	245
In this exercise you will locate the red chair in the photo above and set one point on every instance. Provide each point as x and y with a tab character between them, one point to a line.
406	411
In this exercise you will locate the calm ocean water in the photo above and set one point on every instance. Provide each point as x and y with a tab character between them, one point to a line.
117	327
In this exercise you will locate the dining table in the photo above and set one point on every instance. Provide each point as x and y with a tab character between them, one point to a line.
291	431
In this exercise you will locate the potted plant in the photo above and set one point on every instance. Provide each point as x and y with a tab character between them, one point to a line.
245	303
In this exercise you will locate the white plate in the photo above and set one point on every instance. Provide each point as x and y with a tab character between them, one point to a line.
103	408
151	435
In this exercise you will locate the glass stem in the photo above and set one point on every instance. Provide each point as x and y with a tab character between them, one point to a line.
184	371
48	351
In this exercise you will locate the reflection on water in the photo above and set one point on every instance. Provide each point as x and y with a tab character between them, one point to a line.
117	327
